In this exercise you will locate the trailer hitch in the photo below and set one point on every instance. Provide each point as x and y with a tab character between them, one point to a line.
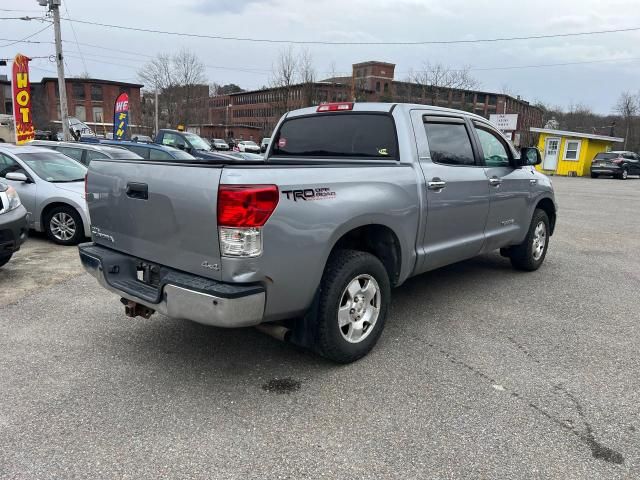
133	309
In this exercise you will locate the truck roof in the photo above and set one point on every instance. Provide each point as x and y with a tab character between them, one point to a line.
385	108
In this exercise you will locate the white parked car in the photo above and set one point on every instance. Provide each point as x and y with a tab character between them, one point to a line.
249	146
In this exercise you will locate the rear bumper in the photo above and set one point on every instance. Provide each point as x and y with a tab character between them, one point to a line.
13	230
177	294
606	170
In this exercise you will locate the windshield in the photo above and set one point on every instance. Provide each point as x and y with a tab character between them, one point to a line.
121	153
54	167
197	142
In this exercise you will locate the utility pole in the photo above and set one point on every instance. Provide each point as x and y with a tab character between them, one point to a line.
54	8
155	104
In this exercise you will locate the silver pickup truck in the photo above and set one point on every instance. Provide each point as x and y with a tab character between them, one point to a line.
349	201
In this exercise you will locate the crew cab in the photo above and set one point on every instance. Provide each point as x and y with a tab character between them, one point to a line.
350	201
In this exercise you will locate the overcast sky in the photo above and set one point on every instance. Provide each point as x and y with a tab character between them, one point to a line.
598	85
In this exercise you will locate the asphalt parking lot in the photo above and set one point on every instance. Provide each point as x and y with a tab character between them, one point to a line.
482	372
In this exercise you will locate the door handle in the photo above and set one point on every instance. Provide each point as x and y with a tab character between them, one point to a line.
495	182
436	184
137	190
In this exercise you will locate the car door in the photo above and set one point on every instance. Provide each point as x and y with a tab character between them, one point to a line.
457	190
633	162
509	185
26	191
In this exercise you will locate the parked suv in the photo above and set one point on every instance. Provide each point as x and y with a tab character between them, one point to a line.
350	201
618	164
13	223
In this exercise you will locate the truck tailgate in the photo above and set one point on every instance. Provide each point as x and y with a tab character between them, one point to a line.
162	213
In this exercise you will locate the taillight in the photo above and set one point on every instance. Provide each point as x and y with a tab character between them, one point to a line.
242	210
335	107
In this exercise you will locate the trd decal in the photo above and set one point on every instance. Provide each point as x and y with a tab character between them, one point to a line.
322	193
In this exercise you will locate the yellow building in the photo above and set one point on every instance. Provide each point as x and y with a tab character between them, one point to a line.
570	153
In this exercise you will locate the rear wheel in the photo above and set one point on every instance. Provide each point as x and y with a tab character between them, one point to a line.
353	304
594	175
530	254
4	259
64	225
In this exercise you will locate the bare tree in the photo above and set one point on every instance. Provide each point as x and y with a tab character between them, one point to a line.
627	107
307	76
434	80
284	78
181	82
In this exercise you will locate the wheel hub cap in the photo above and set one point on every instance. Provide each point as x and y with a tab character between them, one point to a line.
359	308
539	240
63	227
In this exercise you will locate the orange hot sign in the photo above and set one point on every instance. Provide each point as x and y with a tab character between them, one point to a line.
22	100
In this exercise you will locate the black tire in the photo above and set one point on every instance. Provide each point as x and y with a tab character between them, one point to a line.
594	175
343	268
4	259
78	234
625	174
523	256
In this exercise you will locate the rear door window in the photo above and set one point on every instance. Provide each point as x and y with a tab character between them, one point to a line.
142	151
449	143
343	135
75	153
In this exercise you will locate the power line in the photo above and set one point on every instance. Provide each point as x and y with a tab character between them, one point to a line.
19	10
76	37
26	38
321	42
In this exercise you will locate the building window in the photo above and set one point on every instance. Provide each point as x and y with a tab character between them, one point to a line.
81	113
78	91
481	98
456	96
377	86
386	88
493	100
572	150
96	93
469	97
98	115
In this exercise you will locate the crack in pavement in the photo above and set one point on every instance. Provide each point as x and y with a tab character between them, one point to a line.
598	450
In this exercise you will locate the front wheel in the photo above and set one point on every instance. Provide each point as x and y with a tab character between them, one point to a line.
353	302
594	175
64	225
530	254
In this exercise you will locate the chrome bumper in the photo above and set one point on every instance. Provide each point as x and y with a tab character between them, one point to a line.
182	302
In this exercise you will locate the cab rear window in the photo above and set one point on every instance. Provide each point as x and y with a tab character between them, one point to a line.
343	135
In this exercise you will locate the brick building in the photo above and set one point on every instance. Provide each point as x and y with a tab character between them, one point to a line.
89	100
251	115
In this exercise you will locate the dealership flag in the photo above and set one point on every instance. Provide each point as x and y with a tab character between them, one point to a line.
121	117
21	95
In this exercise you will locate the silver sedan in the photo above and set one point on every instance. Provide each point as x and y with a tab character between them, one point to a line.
51	187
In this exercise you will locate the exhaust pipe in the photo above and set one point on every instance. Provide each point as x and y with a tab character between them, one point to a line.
276	331
133	309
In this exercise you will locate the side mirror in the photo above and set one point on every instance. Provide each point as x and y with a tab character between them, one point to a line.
529	156
17	177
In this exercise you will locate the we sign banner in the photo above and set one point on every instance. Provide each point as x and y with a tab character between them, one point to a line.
121	117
